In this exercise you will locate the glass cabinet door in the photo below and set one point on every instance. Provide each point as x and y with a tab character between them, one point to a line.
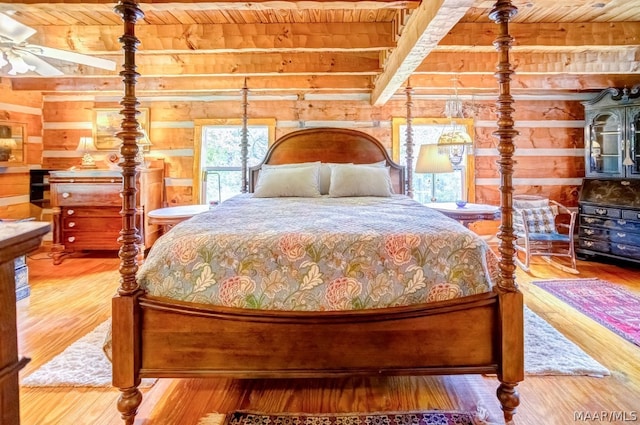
605	142
633	140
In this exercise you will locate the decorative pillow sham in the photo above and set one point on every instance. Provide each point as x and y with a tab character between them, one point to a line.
277	182
359	180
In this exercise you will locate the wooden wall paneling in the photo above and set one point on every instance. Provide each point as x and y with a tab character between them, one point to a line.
533	166
76	111
63	139
60	163
565	194
15	212
170	138
14	184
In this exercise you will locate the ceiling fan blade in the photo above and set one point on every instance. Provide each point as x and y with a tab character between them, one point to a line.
13	30
41	67
68	56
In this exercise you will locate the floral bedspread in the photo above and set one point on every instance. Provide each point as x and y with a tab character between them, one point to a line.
318	254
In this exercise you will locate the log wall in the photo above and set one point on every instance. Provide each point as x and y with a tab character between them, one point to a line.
549	149
21	107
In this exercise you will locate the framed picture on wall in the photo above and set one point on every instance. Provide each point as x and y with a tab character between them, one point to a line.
107	123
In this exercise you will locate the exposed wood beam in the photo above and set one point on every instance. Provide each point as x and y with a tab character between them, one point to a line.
433	83
201	38
196	84
427	25
541	36
625	62
247	64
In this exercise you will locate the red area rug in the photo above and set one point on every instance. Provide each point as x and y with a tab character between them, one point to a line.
391	418
608	304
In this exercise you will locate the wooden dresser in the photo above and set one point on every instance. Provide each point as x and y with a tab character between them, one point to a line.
610	218
86	208
16	239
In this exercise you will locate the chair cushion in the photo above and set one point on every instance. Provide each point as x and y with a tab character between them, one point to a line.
548	237
540	220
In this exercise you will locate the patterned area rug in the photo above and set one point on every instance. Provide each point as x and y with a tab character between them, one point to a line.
82	364
610	305
435	417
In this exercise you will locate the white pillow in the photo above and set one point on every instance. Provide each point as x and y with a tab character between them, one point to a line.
288	181
359	180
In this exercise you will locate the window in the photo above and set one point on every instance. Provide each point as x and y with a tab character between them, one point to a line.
440	187
218	156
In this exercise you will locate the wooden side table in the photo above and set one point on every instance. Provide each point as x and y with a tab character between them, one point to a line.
467	214
170	216
16	239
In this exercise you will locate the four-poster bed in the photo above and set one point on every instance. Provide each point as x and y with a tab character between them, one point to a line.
475	328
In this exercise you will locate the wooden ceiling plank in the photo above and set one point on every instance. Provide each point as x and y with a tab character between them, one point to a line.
101	39
426	26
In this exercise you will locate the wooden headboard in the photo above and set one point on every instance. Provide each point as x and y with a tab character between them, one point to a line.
335	145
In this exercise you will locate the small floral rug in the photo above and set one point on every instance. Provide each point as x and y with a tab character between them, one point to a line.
435	417
610	305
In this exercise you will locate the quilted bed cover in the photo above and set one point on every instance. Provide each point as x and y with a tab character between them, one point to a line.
318	254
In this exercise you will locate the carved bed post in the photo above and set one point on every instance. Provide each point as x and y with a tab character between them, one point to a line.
510	298
244	142
125	309
409	170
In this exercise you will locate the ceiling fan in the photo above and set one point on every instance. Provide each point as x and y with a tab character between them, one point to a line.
24	57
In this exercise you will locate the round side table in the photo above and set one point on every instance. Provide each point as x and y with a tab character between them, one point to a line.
170	216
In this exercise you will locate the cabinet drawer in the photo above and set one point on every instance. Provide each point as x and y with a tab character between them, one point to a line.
109	212
625	250
621	224
601	211
594	233
600	246
107	240
84	194
631	214
91	224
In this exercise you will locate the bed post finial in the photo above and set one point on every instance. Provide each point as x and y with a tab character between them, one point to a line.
244	141
409	148
502	13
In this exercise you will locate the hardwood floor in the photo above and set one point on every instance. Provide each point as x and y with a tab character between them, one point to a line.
69	300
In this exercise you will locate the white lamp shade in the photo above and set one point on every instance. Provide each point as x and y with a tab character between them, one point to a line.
431	161
86	144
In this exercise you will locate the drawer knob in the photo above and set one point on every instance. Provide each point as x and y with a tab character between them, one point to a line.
71	238
72	224
65	195
621	235
622	222
70	212
601	211
589	231
622	247
588	243
590	220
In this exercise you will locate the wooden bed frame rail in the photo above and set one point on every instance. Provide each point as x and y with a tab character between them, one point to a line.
154	338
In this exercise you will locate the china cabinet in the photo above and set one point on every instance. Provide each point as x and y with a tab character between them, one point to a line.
12	144
612	134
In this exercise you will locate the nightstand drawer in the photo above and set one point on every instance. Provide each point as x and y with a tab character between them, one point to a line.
74	194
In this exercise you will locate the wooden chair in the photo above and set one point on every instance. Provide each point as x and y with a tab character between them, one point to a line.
540	233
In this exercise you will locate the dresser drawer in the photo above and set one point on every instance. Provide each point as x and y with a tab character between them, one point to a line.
625	250
631	214
77	240
608	223
86	224
594	245
85	194
594	233
90	212
601	211
619	236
